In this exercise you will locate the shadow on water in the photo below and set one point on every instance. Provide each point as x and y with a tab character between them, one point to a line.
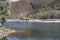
34	35
35	31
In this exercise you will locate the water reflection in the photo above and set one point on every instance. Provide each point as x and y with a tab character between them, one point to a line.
15	38
35	35
18	38
35	31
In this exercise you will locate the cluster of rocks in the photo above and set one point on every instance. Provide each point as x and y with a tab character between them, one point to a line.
5	33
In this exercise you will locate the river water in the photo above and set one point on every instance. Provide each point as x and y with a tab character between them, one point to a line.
35	31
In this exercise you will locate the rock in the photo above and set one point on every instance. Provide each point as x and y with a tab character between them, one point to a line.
1	31
1	34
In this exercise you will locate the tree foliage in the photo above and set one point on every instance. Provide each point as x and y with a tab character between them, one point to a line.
4	7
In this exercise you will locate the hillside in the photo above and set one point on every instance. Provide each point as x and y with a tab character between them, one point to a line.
33	8
19	9
45	9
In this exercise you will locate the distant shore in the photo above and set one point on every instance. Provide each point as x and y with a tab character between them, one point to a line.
36	20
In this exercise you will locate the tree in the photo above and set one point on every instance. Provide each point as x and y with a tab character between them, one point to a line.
4	7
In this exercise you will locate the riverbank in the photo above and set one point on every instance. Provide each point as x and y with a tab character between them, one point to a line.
36	20
4	31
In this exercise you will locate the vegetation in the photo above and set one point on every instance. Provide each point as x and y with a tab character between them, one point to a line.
53	14
44	10
4	6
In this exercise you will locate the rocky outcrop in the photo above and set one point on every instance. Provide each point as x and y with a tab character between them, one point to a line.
19	8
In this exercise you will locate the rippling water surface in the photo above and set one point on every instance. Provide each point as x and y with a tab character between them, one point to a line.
35	31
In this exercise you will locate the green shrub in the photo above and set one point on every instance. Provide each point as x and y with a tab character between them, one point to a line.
4	10
53	14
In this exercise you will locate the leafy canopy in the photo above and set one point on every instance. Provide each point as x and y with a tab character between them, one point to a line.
4	6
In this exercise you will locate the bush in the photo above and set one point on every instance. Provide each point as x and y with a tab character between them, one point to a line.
53	14
4	7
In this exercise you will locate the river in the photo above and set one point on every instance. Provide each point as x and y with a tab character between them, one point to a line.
34	31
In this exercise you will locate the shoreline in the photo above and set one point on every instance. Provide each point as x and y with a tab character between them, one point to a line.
36	20
4	34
